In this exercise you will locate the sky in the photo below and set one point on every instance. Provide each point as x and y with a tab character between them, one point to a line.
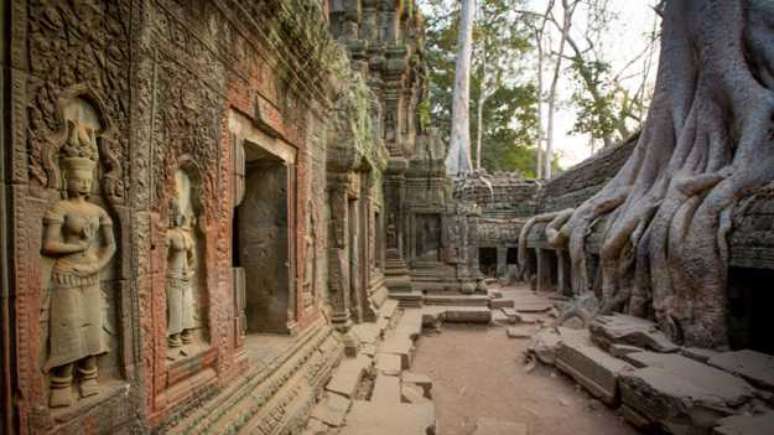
625	39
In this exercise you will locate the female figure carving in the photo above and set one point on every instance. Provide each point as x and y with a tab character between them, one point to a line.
79	235
181	259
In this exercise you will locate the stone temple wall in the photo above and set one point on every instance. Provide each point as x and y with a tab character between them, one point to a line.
153	151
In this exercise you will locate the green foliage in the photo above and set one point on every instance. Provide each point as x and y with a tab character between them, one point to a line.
509	118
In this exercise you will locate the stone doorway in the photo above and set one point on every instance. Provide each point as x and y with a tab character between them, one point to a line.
261	242
749	309
487	260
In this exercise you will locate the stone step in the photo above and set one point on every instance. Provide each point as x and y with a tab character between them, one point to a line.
379	418
408	299
458	300
590	366
501	303
348	375
386	389
468	315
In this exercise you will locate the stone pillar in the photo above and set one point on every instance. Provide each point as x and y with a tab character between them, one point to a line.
564	277
502	261
338	258
396	270
544	269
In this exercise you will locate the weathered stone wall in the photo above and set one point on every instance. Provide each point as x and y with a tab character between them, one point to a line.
150	89
570	188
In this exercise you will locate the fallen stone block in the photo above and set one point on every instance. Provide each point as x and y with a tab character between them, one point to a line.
399	345
332	409
348	374
388	364
412	393
761	424
493	426
757	368
468	315
544	345
679	394
423	381
513	315
386	389
697	354
315	427
389	419
625	329
520	332
596	370
621	350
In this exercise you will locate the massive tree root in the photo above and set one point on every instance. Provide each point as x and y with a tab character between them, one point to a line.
708	140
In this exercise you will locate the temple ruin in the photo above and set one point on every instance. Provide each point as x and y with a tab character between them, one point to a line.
229	217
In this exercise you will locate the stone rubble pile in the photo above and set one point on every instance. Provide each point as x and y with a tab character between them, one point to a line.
656	385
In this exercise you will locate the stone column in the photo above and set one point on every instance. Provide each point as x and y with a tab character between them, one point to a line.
564	283
544	269
338	258
502	261
396	270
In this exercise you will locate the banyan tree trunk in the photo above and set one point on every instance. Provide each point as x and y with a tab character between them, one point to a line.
708	140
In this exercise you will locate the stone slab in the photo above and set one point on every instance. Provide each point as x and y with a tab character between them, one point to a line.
625	329
367	332
388	364
621	350
761	424
520	332
680	394
423	381
698	354
400	345
332	409
545	344
468	315
412	393
493	426
500	303
512	314
389	309
757	368
348	374
380	418
410	323
386	389
596	370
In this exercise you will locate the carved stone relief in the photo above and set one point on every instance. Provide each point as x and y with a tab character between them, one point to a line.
78	236
181	270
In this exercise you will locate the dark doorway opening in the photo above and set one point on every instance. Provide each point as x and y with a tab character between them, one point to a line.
512	256
261	244
750	299
487	261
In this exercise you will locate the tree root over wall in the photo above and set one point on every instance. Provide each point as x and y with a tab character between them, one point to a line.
708	140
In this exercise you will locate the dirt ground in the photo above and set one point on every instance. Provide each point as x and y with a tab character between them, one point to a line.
477	371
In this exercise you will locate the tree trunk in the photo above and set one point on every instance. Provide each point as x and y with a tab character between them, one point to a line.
541	132
708	139
458	161
568	10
